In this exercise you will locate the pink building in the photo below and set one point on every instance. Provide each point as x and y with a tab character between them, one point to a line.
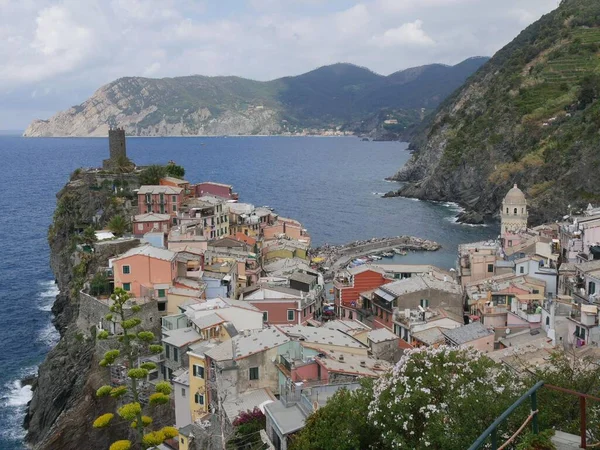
286	227
216	189
146	271
160	200
282	305
151	222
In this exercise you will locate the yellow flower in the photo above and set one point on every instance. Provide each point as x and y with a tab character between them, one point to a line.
169	432
120	445
103	421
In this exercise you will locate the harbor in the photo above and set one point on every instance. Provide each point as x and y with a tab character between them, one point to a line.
329	258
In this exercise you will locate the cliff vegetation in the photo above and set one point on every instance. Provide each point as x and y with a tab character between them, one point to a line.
530	116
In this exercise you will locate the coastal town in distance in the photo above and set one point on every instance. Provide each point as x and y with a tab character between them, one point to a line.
253	321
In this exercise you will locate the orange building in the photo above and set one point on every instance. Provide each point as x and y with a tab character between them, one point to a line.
350	283
146	271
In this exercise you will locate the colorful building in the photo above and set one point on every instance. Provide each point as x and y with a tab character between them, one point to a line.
151	222
160	200
217	189
350	283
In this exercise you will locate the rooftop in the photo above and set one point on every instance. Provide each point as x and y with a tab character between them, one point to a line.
151	189
183	378
287	419
467	333
347	326
323	336
303	277
381	335
273	292
419	283
429	336
356	365
207	320
246	401
149	251
180	337
177	181
249	343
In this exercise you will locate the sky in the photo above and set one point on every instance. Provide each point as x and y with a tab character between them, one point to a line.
56	53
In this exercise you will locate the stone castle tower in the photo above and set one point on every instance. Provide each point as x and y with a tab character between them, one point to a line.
117	148
513	213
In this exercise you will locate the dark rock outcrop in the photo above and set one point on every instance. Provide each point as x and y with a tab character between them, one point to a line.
63	406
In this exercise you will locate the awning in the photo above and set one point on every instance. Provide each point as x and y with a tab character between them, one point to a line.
384	295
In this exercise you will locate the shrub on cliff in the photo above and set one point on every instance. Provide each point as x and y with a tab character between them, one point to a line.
118	225
173	170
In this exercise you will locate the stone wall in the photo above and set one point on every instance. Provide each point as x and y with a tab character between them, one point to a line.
104	250
93	311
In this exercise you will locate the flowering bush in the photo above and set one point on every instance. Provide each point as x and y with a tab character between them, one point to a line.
103	421
158	398
130	411
146	421
120	445
169	432
153	439
103	391
440	398
164	387
119	391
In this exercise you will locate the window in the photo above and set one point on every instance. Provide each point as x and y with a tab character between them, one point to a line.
174	199
265	316
510	243
161	293
424	303
515	211
199	399
291	314
183	392
175	354
162	306
168	351
536	291
174	208
490	268
127	269
521	269
127	286
591	288
140	226
198	371
580	332
253	373
506	210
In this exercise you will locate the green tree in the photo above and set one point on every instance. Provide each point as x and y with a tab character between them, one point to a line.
151	175
123	164
89	236
173	170
118	225
133	343
341	424
590	89
99	284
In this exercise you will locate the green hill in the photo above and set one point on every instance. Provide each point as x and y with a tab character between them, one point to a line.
530	116
329	96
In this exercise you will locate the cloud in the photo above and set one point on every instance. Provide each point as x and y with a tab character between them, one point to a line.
69	48
410	33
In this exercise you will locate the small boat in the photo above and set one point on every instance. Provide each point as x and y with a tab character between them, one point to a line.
397	251
375	257
387	255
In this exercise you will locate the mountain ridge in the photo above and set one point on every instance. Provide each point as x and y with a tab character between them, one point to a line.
528	116
324	98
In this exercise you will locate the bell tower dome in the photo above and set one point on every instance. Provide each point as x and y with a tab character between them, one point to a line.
513	214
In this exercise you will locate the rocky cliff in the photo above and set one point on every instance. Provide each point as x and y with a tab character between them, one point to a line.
324	98
63	406
530	116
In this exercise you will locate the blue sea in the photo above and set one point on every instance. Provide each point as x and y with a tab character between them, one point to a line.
332	185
